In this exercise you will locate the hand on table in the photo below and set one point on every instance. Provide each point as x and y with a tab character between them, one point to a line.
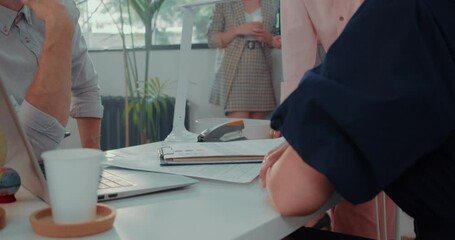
270	159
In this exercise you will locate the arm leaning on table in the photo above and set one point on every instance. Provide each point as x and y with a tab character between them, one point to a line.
289	181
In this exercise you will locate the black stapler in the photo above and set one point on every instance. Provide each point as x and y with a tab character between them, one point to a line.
228	131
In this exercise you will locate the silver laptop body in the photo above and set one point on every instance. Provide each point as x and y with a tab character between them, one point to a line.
20	157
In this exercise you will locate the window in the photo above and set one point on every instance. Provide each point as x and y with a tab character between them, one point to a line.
101	23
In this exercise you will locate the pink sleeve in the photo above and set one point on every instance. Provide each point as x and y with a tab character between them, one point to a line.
299	44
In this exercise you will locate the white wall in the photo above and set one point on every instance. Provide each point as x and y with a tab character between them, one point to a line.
165	64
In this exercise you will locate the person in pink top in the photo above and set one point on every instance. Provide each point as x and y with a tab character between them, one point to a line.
305	25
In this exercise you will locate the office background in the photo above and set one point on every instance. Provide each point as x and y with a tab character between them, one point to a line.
108	60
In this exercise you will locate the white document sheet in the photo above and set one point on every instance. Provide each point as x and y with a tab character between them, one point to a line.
148	160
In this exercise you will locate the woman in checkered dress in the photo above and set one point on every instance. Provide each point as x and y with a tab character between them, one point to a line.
243	82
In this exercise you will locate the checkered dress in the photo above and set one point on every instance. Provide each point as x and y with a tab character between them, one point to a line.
243	81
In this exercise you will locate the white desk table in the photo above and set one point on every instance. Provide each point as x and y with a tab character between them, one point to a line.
206	210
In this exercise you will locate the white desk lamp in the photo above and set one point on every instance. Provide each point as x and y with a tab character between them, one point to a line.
179	133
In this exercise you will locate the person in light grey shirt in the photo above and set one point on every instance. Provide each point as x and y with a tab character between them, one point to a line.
23	32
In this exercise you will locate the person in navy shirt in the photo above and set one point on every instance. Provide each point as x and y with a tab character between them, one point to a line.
378	114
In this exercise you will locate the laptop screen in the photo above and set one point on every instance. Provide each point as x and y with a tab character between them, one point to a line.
19	153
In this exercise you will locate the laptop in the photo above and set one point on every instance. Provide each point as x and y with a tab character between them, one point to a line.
115	182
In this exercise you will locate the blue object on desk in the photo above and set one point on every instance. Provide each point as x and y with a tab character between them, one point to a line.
9	184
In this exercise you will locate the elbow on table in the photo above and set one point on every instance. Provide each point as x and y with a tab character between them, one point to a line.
294	187
289	206
297	193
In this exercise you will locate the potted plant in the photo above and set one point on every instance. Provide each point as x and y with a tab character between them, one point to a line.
150	109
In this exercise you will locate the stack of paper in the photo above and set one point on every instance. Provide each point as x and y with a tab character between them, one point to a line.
146	158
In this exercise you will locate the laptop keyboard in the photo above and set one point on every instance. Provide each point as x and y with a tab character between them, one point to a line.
109	180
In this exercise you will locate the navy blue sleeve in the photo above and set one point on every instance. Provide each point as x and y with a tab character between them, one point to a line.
383	98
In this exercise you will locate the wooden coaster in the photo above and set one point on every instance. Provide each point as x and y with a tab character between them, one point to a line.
2	218
43	224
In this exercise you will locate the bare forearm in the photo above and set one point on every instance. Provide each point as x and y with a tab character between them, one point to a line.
50	90
294	187
227	36
89	130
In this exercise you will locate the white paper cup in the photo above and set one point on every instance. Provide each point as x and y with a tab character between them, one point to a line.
72	179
